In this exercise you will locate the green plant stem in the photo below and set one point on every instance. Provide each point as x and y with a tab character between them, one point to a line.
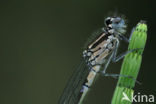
131	65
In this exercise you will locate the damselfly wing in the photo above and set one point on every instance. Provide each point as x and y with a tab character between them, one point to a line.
84	75
71	92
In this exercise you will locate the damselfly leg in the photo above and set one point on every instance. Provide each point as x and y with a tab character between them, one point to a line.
114	58
122	37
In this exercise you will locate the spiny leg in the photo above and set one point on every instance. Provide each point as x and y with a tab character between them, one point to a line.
115	59
120	75
107	63
122	37
119	57
111	56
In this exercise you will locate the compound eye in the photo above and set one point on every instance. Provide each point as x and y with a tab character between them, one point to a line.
117	20
108	21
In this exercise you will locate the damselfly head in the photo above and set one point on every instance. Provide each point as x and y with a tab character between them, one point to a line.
116	24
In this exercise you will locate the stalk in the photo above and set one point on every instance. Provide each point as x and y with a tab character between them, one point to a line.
131	66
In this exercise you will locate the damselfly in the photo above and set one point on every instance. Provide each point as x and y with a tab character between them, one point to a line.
97	56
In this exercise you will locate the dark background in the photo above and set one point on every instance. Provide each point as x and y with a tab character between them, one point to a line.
41	44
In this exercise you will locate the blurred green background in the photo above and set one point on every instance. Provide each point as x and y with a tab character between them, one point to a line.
41	44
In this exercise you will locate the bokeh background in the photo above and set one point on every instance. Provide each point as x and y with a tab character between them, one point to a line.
41	44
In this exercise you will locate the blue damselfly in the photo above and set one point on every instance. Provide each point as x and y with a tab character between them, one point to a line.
96	57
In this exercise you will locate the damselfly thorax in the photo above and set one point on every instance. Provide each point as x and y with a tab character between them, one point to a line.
97	52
